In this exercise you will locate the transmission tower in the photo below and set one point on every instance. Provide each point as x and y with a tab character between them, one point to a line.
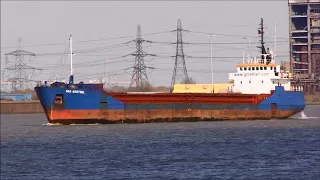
139	75
21	71
180	69
107	79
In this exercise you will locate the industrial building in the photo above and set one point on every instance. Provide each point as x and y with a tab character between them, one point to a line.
304	40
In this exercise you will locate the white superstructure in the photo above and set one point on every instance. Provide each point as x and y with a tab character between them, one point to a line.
259	76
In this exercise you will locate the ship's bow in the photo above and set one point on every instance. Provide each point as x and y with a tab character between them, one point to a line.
47	97
283	104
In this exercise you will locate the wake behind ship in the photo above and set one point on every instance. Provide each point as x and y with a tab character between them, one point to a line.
260	90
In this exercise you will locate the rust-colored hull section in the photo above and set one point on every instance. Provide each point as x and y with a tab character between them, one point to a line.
146	116
186	98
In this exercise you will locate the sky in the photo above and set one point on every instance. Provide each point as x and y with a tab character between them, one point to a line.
101	30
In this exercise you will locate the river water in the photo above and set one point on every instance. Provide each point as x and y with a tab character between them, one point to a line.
272	149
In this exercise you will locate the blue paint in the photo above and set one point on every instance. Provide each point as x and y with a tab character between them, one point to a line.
90	100
82	97
285	100
114	104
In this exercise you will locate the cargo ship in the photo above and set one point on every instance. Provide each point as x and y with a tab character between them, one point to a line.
259	91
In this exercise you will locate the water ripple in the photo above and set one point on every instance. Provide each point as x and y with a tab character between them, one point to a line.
275	149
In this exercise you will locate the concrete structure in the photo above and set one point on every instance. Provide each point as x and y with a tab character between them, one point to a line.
304	34
20	107
16	97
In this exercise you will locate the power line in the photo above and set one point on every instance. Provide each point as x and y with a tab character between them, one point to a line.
86	41
223	34
35	45
179	51
220	43
101	48
130	36
107	39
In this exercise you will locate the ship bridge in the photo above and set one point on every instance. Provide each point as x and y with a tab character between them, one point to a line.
259	75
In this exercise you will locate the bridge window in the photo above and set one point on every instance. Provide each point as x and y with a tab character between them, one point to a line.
245	68
270	68
257	68
265	68
240	68
261	68
240	82
249	68
262	82
249	81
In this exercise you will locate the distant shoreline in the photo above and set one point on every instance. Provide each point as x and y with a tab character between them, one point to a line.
312	99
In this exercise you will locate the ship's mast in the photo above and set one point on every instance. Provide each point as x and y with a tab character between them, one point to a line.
244	51
71	54
105	75
212	90
249	46
275	37
261	33
70	43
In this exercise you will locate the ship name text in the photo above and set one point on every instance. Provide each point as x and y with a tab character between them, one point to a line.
74	91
